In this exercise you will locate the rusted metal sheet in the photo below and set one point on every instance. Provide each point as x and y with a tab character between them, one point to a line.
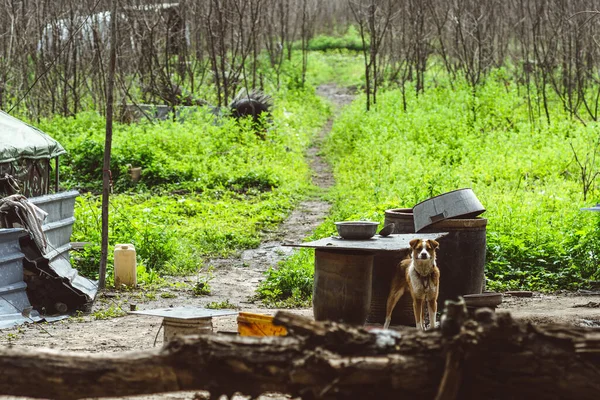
55	284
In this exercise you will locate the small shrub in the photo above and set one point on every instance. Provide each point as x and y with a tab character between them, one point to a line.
350	40
202	285
110	312
291	284
222	305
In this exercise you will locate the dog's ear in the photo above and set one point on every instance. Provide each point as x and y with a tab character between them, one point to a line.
433	243
413	243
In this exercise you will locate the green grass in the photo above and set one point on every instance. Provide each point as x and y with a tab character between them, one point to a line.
341	67
206	188
523	172
222	305
290	285
524	175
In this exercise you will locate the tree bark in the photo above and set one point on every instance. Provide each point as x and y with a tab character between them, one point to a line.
491	357
106	174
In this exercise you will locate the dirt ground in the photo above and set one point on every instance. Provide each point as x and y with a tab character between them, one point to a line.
235	280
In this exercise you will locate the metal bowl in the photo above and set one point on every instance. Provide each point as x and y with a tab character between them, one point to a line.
487	299
356	230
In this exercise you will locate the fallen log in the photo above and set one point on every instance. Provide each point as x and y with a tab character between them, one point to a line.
491	356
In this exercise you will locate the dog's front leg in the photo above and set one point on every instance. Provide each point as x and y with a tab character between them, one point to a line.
418	311
432	308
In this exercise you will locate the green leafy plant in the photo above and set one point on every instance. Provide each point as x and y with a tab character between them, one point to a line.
202	285
112	311
291	284
221	305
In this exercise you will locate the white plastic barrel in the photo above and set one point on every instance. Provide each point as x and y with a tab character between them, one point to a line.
125	265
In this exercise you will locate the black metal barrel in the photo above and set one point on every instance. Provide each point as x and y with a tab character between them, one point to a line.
384	268
461	256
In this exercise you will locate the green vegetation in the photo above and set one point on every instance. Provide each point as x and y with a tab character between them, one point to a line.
202	285
522	169
350	40
108	313
291	284
523	174
340	67
222	305
206	188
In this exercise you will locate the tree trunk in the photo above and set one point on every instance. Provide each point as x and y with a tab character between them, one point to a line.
491	357
106	174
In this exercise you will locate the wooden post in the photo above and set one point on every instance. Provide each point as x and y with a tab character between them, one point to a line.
56	176
106	175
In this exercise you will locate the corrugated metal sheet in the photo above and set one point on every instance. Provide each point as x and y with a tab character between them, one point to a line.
58	228
59	206
13	296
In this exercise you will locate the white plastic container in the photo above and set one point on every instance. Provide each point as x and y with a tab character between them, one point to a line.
125	265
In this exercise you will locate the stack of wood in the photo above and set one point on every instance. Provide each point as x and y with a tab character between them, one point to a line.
490	356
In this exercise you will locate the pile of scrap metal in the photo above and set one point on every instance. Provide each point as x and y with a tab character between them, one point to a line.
35	271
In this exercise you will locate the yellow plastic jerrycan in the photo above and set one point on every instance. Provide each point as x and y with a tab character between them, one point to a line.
125	265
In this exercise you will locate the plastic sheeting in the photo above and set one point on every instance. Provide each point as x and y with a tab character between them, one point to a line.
19	140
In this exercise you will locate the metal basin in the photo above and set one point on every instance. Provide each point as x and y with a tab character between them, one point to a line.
488	299
461	203
356	230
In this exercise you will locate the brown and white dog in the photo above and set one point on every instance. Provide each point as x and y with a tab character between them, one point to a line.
420	275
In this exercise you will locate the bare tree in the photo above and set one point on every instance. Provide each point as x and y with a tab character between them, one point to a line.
373	18
473	23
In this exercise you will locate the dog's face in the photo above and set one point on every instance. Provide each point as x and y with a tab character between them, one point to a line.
423	249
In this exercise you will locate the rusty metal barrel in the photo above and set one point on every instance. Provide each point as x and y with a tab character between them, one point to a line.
402	218
342	286
461	256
